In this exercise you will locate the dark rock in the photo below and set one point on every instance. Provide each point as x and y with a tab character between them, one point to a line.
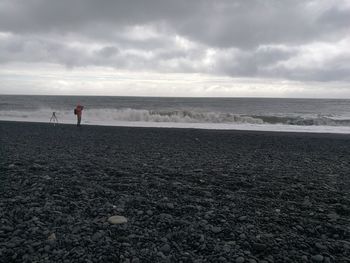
7	228
320	246
242	236
317	258
242	218
226	248
333	216
216	229
149	212
170	205
161	254
165	248
52	237
222	259
259	247
97	236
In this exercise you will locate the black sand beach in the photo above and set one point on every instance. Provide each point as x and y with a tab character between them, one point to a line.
188	195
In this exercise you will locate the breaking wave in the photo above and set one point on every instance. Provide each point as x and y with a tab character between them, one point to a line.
113	116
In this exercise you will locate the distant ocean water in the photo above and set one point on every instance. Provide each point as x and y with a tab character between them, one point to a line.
266	114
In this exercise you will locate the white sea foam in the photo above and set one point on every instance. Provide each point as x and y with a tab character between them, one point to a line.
130	115
185	119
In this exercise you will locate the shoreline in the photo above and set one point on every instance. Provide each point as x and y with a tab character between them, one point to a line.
248	131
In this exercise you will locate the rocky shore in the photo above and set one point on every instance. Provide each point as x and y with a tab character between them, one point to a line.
109	194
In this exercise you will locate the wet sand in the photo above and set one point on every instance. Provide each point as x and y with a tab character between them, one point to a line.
188	195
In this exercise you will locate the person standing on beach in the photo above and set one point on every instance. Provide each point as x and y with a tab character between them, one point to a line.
78	111
54	119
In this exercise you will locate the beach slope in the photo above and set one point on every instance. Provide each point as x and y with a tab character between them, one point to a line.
188	195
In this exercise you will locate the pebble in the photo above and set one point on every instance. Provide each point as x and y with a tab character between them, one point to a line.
333	216
166	217
52	237
307	202
114	220
300	228
240	260
161	254
320	246
317	258
304	258
216	229
226	248
231	243
270	258
242	236
165	248
242	218
170	205
96	237
47	248
259	247
7	228
149	212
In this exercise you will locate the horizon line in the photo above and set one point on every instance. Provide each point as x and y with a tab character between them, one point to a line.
182	97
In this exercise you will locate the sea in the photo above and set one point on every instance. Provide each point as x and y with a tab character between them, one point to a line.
262	114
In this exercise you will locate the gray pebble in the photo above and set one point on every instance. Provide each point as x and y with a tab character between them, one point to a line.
222	259
304	258
242	218
165	248
226	248
161	254
317	258
170	205
242	236
216	229
320	246
259	247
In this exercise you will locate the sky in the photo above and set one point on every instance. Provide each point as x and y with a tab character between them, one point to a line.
225	48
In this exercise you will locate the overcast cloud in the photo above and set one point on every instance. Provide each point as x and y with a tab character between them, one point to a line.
305	41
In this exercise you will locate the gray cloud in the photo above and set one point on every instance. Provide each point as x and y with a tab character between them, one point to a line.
253	63
248	38
335	17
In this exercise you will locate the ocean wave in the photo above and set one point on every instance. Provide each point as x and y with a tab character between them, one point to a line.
305	120
109	115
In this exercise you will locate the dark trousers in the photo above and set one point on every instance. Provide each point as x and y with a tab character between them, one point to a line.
79	120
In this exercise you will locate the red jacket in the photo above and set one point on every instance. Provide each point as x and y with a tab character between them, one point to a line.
79	110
